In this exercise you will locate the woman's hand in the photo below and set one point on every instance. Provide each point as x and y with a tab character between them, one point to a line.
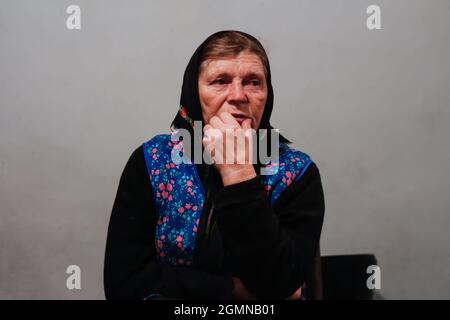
297	295
240	292
233	161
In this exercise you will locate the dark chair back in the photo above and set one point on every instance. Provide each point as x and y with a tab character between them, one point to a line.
340	277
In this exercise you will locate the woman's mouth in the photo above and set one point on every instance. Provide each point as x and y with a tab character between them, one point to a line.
240	118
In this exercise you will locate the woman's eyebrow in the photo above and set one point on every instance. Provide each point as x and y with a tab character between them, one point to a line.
219	74
254	75
224	74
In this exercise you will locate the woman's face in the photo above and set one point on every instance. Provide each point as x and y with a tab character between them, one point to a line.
233	84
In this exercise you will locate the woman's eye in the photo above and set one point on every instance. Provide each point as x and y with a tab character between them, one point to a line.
254	82
219	81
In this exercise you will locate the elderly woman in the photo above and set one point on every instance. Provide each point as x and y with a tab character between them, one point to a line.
220	230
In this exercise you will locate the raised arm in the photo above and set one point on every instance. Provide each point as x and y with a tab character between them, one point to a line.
271	248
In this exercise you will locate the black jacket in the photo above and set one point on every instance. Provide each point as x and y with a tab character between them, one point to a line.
270	249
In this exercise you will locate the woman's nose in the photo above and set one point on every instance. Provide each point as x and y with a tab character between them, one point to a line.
236	93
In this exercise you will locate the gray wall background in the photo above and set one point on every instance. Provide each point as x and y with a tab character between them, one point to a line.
370	107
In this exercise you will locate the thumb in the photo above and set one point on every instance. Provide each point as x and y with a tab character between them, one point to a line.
247	124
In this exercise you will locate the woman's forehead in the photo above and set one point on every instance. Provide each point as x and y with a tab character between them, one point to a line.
240	64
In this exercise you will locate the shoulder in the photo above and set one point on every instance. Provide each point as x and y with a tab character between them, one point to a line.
290	162
307	175
157	141
310	169
307	190
293	155
136	164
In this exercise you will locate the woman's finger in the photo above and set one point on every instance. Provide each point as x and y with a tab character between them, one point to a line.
247	124
217	123
296	295
228	120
